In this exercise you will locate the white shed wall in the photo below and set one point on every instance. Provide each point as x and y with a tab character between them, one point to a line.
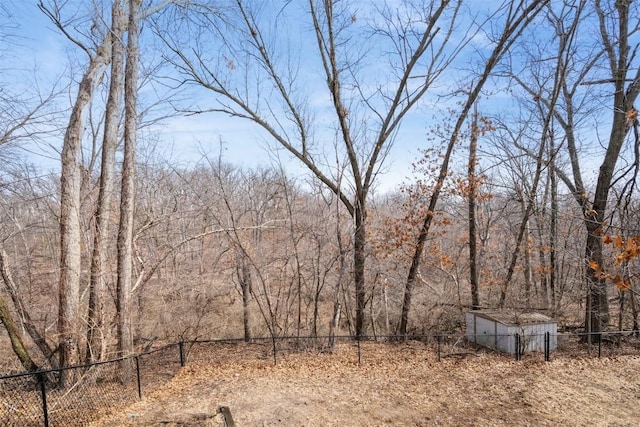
499	336
533	336
506	341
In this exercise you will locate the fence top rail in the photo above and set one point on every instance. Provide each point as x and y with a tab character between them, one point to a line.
65	368
309	337
285	338
82	366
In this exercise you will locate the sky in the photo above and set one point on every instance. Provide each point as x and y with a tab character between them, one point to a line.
38	45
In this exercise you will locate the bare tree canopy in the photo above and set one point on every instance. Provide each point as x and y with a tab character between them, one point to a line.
368	70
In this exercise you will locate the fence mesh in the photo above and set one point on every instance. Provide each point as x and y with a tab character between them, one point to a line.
98	391
21	402
34	399
158	366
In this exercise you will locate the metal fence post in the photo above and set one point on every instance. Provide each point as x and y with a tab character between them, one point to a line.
517	343
439	338
358	340
547	345
275	350
181	345
138	376
599	346
43	393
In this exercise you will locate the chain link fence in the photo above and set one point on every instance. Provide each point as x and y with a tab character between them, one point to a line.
34	399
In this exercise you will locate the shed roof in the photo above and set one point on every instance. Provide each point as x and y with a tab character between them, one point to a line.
514	318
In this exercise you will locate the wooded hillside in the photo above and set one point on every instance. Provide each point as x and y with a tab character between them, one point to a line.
522	193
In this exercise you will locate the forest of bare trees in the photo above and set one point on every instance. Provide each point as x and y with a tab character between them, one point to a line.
523	195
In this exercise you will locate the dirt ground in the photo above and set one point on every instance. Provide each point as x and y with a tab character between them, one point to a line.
399	385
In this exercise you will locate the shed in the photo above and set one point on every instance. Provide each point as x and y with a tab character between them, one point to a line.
497	330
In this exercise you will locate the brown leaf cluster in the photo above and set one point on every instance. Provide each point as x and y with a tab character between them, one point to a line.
626	251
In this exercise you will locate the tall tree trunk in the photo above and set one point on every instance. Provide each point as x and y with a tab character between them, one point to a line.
244	277
617	50
96	335
319	284
127	195
337	306
473	183
70	187
597	307
70	256
553	232
359	257
541	234
296	253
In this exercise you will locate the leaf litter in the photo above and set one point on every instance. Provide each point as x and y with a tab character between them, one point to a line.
395	384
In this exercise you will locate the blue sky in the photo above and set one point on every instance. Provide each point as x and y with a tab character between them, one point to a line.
184	138
39	45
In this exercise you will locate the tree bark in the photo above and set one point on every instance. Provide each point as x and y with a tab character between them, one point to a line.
553	231
359	257
473	184
127	194
337	306
244	277
95	320
528	279
70	188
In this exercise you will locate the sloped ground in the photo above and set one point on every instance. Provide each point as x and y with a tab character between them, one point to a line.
400	385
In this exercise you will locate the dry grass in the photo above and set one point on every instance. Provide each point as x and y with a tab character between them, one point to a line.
394	385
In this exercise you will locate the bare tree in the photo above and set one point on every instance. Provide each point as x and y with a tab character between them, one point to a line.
257	80
127	191
94	36
583	65
472	198
70	189
516	18
243	270
96	341
616	27
16	340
